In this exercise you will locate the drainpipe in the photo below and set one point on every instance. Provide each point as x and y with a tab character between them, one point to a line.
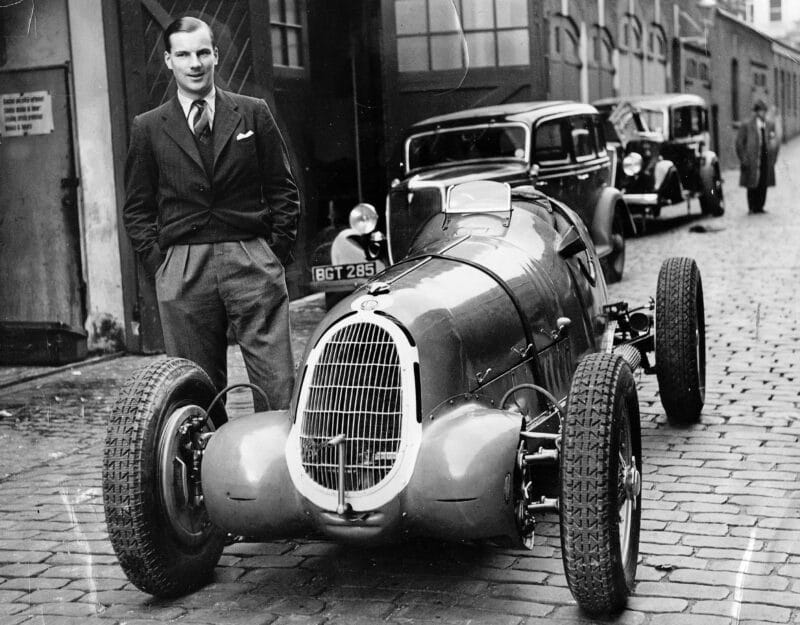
357	137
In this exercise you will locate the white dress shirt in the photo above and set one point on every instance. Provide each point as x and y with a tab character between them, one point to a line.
186	105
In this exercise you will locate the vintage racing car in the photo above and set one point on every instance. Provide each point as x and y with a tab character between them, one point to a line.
665	155
480	381
556	146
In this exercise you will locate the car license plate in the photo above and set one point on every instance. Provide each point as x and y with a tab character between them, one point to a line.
348	271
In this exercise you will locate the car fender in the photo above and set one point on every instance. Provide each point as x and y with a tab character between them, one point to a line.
462	481
610	202
246	484
661	171
347	248
708	168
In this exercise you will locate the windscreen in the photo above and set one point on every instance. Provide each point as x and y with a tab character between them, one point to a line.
465	144
653	120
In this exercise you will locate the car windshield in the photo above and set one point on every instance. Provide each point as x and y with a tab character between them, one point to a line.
453	145
688	121
622	122
653	119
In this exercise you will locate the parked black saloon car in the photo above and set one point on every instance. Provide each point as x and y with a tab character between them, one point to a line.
663	144
559	147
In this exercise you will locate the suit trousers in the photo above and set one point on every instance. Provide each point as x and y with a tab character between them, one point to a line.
204	287
757	196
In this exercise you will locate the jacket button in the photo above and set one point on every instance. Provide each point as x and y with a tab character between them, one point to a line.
194	228
201	188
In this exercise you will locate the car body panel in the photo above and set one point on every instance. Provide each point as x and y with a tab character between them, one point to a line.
457	490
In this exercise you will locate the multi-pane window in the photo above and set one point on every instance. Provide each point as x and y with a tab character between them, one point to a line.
774	10
287	32
455	34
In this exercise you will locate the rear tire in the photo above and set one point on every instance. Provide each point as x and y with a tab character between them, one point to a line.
600	506
157	523
680	341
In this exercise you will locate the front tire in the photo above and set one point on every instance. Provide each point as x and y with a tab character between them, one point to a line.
157	523
600	507
680	341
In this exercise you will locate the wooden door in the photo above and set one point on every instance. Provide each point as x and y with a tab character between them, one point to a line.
40	255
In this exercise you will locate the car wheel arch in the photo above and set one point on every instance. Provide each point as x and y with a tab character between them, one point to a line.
610	203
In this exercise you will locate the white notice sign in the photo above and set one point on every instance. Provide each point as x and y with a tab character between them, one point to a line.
26	114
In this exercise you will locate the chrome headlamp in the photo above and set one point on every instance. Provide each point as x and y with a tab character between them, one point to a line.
632	164
363	218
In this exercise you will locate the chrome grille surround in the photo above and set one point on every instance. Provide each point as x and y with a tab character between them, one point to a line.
359	381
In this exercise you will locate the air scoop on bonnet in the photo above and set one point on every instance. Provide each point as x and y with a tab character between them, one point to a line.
359	387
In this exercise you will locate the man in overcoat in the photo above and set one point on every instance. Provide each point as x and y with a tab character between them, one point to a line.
211	208
757	144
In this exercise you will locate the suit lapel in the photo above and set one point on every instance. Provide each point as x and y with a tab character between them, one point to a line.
226	119
176	127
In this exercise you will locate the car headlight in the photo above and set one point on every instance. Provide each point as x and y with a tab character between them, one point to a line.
363	218
632	164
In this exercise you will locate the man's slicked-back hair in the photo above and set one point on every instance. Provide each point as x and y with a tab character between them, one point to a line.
185	24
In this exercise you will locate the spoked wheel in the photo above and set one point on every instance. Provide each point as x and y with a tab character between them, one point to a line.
156	519
601	467
613	265
680	340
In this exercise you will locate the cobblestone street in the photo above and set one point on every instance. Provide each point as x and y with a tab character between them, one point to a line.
720	541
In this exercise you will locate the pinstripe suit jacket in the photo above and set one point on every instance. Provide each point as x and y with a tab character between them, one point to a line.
170	198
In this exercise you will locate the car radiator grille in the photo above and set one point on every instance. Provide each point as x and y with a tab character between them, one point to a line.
355	389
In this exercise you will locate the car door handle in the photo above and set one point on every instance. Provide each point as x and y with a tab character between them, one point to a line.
582	176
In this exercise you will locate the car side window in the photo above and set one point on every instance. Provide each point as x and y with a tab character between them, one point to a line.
583	139
599	135
550	142
687	121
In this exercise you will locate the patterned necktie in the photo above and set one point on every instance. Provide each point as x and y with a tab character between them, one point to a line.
201	126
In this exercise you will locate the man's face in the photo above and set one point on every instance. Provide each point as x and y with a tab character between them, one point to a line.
192	61
761	112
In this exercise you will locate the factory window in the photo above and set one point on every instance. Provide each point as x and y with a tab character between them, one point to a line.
775	11
287	32
456	34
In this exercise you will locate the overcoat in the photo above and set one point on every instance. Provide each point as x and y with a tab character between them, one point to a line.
172	198
748	149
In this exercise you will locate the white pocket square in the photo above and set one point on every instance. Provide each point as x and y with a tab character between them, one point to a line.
244	135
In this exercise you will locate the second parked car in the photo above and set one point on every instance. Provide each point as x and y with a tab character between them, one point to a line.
664	149
557	147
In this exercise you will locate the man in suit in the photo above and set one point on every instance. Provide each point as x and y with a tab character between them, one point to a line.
212	207
757	145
